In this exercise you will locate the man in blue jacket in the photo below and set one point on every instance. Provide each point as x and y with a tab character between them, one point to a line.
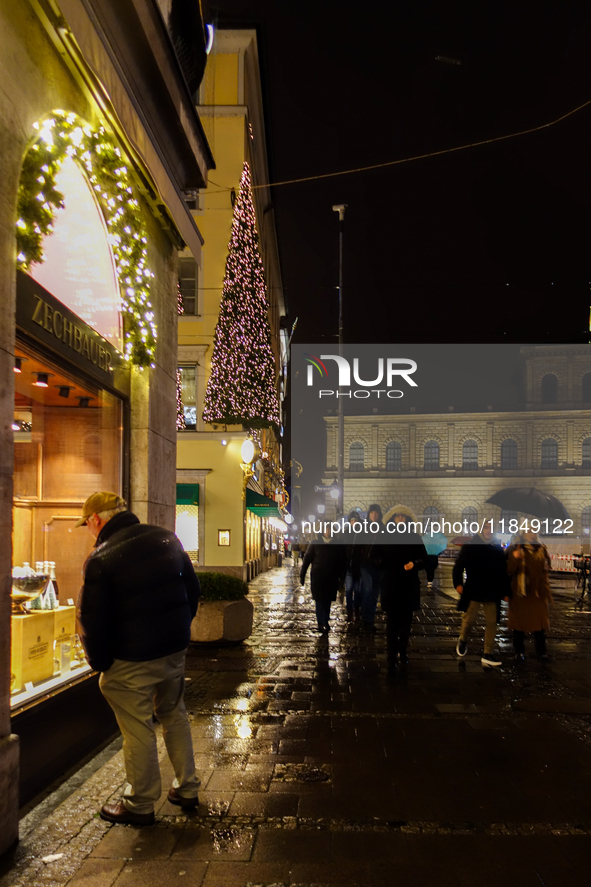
139	596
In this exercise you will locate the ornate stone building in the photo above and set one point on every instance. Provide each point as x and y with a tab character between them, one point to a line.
451	463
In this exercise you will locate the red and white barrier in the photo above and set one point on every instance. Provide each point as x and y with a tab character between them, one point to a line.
563	563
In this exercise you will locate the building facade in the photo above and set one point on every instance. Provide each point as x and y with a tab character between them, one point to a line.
231	534
96	110
449	464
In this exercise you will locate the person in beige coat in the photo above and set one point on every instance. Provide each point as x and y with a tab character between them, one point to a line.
528	563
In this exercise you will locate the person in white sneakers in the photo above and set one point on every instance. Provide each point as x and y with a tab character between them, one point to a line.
480	577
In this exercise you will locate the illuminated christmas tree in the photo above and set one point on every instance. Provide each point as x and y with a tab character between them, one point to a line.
241	388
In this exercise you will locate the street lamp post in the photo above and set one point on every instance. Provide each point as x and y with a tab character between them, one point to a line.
340	208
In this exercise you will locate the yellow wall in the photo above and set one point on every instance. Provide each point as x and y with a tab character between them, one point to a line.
223	506
226	129
220	82
215	225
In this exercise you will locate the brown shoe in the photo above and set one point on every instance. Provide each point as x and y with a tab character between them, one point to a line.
183	803
119	813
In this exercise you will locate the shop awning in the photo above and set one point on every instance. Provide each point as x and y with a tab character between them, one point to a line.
187	494
262	505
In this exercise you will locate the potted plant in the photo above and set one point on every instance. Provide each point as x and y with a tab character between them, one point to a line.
224	614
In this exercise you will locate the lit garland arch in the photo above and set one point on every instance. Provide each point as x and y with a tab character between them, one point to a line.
62	135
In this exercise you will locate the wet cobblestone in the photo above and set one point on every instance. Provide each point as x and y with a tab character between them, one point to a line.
302	740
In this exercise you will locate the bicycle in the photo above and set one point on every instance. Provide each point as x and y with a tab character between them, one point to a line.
581	562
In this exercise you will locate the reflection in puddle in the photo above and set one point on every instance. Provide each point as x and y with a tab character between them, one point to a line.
244	730
217	807
229	840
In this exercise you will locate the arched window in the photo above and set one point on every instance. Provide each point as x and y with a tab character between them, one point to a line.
356	456
549	388
470	455
469	514
507	516
430	512
587	452
549	453
79	266
509	454
431	459
393	456
587	387
586	520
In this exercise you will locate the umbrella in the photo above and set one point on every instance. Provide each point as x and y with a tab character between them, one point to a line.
435	543
461	540
529	500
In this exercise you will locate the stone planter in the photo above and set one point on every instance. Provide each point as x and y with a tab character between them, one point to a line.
222	621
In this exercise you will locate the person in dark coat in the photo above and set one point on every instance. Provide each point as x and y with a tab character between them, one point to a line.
401	586
483	561
139	596
353	585
328	560
370	558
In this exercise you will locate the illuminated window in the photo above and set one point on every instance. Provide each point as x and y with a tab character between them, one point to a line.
187	529
189	396
587	453
79	268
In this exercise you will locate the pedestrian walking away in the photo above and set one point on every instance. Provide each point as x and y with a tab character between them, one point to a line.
327	560
353	581
401	586
528	563
480	577
139	596
371	555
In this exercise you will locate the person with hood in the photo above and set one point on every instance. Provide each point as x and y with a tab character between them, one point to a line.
482	560
370	561
528	563
404	556
328	560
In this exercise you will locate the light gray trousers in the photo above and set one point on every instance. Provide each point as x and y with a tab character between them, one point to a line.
136	691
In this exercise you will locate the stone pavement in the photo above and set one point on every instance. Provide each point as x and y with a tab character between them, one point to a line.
318	769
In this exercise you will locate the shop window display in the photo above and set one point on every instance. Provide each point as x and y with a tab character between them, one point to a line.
67	444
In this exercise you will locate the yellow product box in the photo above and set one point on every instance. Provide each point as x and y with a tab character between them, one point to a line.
64	622
32	648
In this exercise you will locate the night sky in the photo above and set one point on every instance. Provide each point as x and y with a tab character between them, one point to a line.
487	244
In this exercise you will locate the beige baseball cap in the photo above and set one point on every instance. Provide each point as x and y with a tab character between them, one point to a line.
97	503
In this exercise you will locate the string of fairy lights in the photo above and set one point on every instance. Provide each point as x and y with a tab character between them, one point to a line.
65	135
241	386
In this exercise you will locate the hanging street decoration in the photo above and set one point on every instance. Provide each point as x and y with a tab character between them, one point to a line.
62	135
241	387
